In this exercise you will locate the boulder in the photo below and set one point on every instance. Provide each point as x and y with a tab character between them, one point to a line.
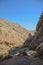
39	50
32	53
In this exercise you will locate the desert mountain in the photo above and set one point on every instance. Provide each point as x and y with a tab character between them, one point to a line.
11	34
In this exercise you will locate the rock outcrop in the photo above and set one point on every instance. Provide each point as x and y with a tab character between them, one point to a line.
38	37
28	41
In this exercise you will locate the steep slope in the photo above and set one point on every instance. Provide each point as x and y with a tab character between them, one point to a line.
11	34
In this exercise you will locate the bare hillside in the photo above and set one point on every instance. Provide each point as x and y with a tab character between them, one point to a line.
11	34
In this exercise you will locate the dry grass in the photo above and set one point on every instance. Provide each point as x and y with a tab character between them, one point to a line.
11	35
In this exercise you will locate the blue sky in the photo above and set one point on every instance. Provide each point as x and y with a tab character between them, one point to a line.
23	12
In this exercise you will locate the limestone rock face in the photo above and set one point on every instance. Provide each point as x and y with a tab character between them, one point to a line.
38	37
39	24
